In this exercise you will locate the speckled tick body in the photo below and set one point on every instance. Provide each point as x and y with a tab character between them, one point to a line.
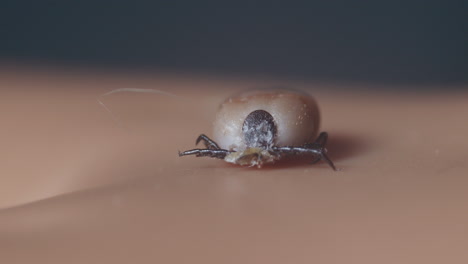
258	127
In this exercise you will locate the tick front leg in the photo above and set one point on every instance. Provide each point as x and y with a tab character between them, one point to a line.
209	143
213	153
212	149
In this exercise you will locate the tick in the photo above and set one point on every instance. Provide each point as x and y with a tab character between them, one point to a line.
258	127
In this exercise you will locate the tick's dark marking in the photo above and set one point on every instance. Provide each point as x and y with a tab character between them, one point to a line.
259	129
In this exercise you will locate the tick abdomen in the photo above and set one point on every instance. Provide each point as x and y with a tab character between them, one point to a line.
294	115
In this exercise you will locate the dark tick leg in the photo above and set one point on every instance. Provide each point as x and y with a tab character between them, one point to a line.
212	149
317	148
213	153
209	143
322	139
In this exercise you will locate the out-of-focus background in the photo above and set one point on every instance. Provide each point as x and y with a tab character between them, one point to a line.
412	42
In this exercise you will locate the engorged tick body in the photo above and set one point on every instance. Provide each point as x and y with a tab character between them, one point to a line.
259	127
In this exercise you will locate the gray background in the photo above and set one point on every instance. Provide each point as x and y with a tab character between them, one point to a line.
383	42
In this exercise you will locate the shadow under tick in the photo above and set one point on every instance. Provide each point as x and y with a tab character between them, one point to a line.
343	146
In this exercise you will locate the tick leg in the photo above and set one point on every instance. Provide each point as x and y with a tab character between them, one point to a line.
212	149
213	153
322	139
209	143
317	149
324	157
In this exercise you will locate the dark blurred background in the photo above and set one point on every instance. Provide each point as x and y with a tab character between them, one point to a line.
382	42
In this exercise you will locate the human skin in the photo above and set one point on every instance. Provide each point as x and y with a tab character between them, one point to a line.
79	187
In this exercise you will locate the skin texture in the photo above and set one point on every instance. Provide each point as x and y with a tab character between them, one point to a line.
78	188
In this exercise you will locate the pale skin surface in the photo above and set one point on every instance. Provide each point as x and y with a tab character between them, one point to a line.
77	188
